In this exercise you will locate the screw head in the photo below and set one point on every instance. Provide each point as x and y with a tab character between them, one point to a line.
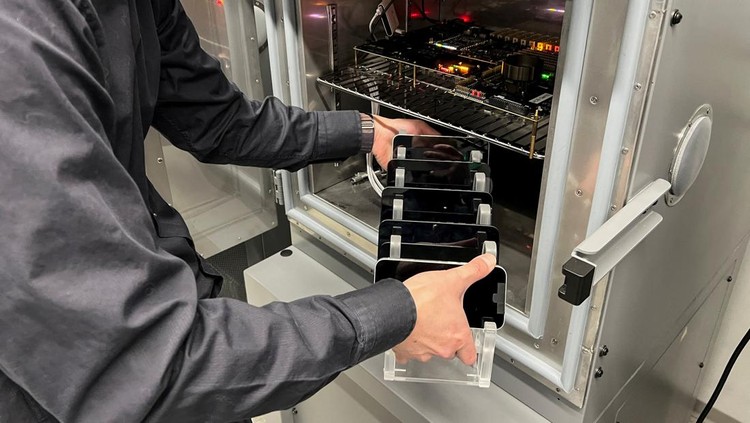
676	18
701	364
638	86
599	373
652	15
730	279
555	341
536	345
160	160
603	351
579	193
594	99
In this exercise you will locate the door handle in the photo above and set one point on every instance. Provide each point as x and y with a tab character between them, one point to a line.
601	251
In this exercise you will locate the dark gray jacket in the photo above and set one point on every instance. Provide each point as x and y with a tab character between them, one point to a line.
106	311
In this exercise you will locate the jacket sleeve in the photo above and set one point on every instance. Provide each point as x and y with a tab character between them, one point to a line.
99	324
200	111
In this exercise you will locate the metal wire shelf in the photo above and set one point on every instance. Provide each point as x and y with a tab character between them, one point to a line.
429	95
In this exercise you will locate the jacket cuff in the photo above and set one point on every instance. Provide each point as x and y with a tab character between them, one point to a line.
385	315
339	135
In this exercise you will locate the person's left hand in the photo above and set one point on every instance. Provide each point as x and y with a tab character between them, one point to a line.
386	129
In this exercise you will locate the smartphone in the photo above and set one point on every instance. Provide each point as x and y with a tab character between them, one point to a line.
434	205
440	147
436	252
483	301
457	234
437	174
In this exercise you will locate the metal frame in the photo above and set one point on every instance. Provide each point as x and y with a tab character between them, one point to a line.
603	98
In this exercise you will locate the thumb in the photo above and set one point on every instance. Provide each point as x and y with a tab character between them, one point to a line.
473	271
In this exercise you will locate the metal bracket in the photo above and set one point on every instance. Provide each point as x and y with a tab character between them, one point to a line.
480	182
490	247
400	152
484	214
400	178
278	187
398	209
476	156
599	253
395	251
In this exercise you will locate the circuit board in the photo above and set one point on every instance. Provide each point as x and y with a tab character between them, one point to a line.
507	68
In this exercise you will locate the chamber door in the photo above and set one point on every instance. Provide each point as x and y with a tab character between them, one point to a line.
222	205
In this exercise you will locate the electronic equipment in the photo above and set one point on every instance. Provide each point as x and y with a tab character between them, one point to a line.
484	301
584	108
433	205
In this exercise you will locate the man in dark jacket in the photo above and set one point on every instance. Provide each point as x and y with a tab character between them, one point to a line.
107	312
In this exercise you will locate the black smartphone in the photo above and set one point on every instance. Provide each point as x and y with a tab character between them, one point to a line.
438	174
434	205
484	301
436	252
440	147
456	234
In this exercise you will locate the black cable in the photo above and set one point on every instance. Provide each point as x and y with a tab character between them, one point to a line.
723	378
422	12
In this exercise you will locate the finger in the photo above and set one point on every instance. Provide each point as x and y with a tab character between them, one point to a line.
468	353
425	129
473	271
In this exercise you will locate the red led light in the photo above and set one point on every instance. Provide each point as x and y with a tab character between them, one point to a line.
465	18
220	3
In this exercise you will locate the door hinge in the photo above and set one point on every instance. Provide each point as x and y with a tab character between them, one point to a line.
278	187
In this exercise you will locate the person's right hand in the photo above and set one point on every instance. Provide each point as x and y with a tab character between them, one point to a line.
442	329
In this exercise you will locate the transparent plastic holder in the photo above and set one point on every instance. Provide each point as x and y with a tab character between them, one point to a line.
439	370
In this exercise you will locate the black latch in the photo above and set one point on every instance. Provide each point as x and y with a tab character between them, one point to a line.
579	276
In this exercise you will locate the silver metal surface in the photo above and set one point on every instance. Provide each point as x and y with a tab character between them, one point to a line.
602	153
690	154
613	228
679	261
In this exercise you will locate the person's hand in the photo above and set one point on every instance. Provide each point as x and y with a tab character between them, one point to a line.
386	129
442	329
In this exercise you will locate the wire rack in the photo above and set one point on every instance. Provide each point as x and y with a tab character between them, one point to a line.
430	95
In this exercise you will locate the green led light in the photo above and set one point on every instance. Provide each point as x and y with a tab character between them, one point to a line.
546	76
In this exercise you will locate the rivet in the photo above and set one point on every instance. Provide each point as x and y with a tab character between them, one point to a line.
603	351
252	38
599	373
257	81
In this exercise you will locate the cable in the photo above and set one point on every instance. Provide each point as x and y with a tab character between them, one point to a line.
372	177
723	378
379	12
422	12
